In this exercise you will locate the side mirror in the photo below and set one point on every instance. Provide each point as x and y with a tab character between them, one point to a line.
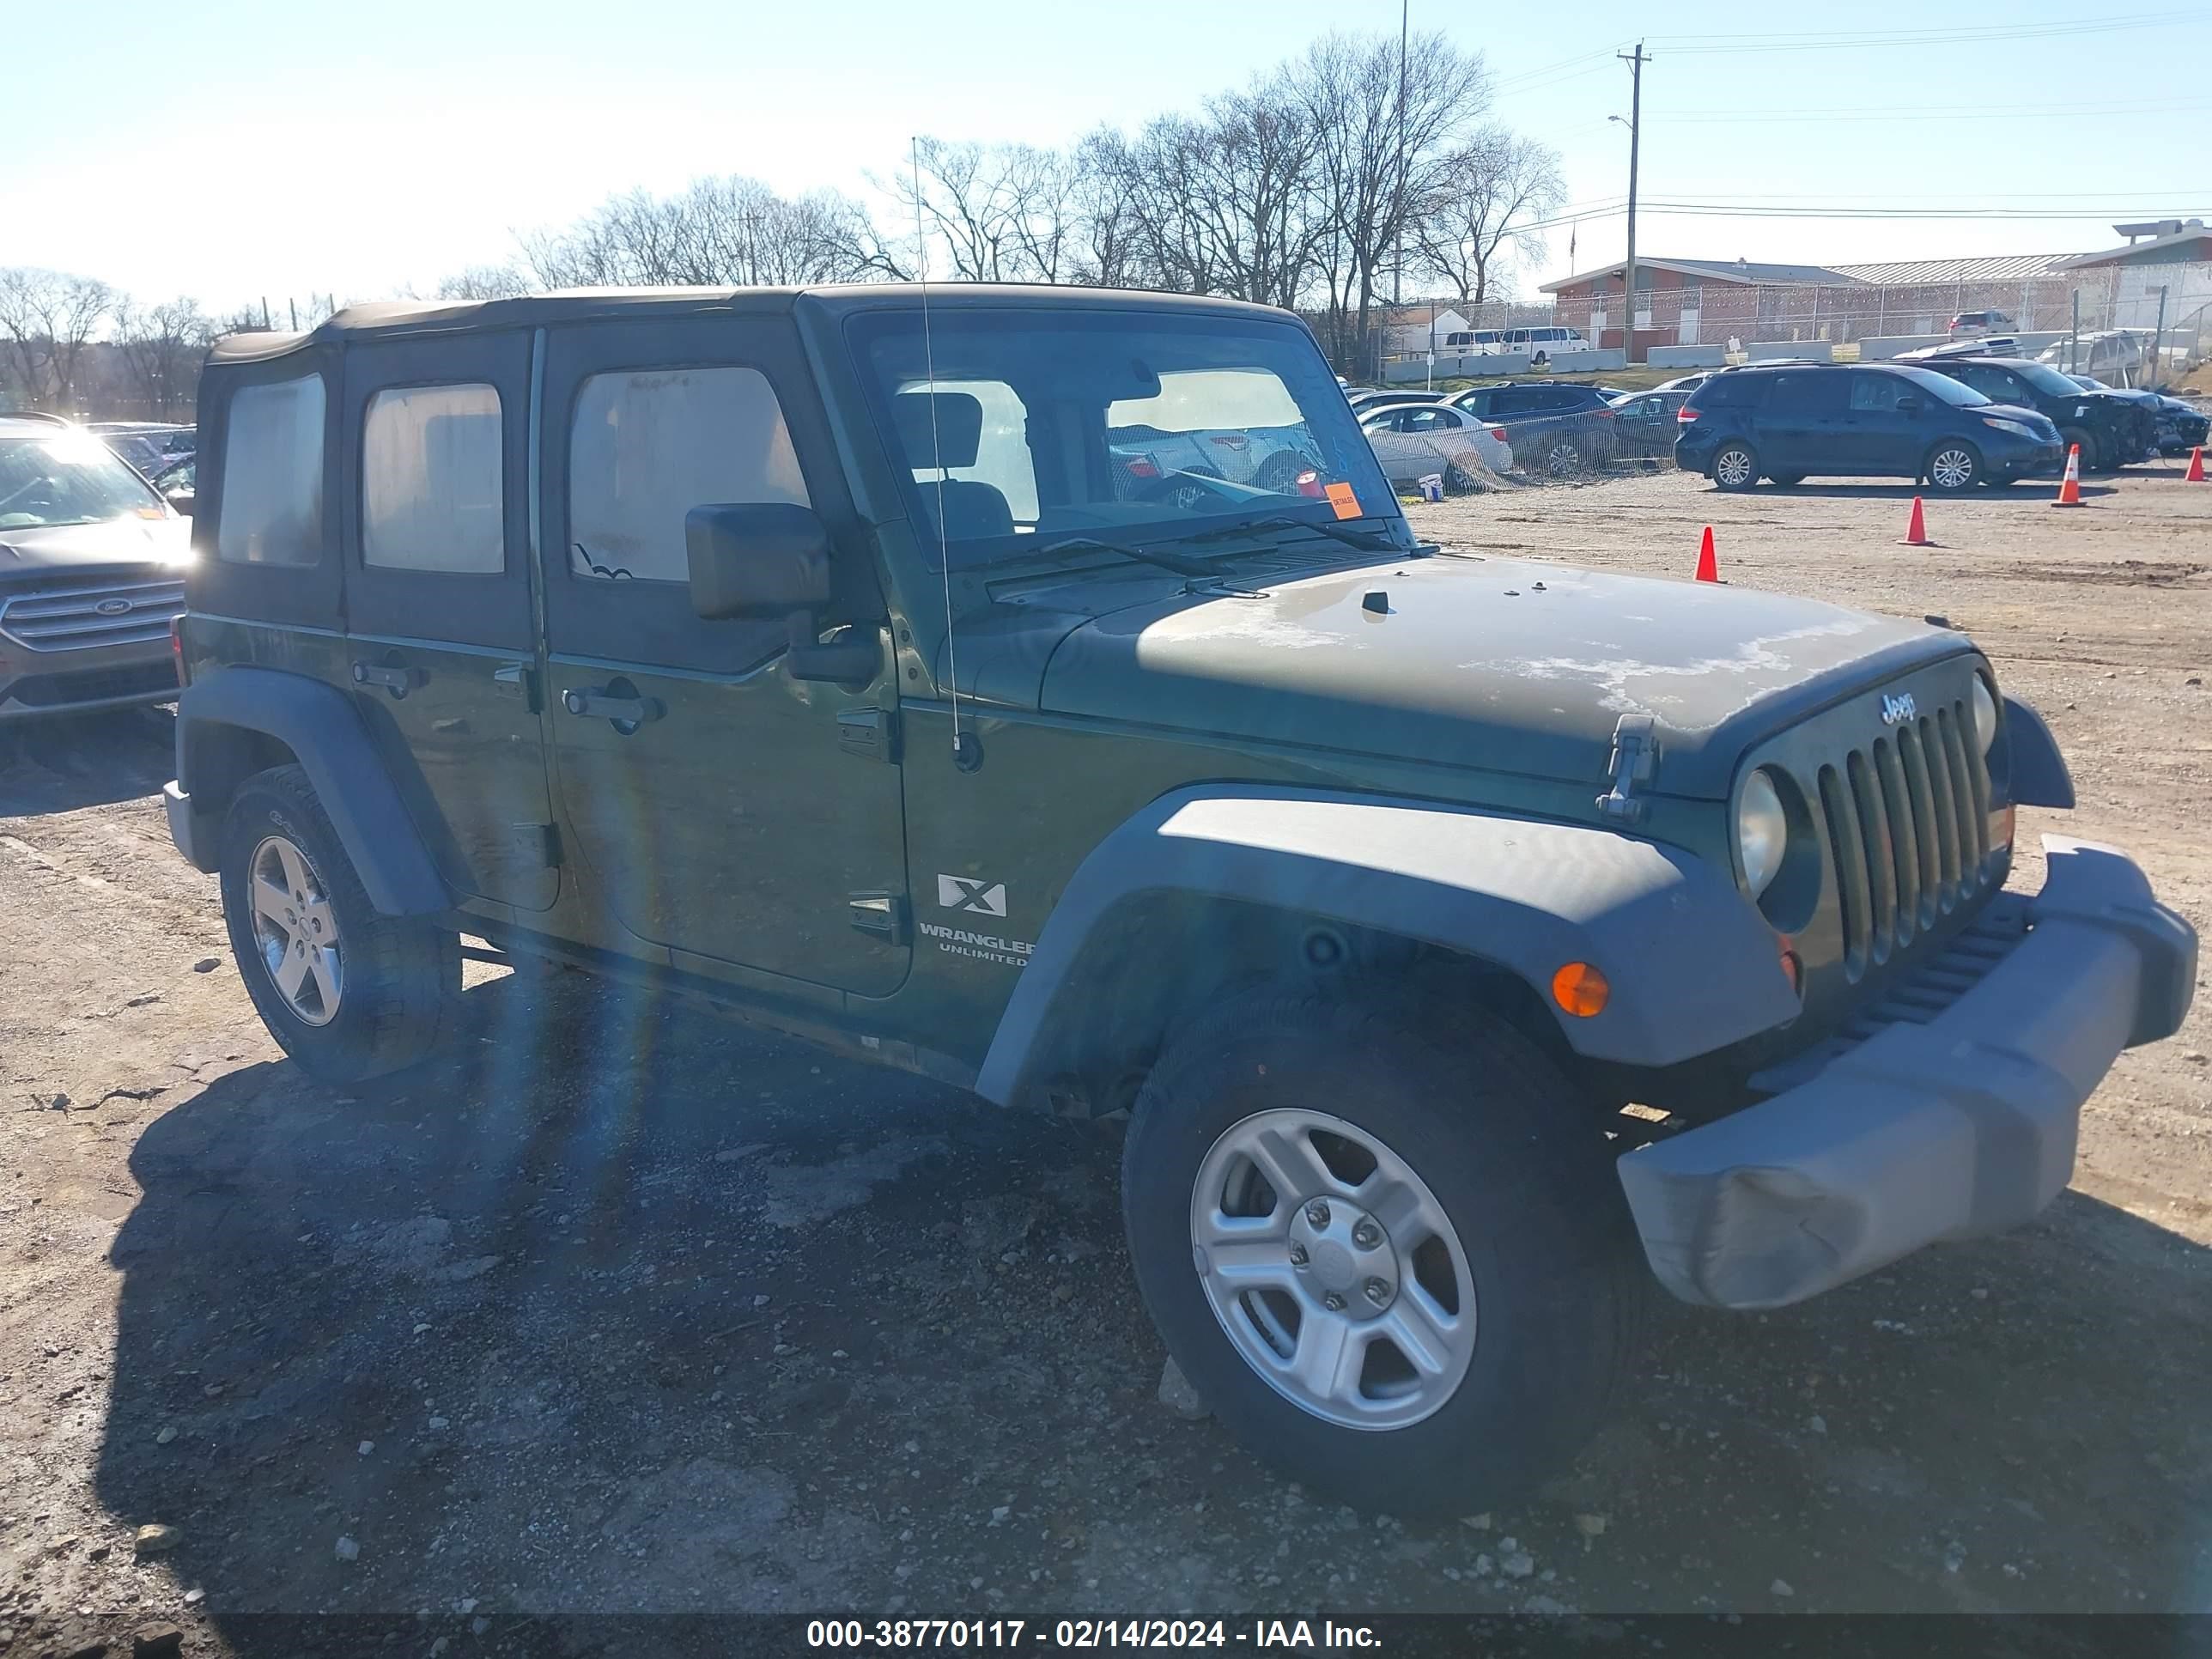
772	559
757	559
1908	404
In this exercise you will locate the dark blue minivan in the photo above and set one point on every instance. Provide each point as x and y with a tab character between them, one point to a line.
1798	421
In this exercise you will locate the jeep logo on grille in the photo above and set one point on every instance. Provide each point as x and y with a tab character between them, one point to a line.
1895	711
112	607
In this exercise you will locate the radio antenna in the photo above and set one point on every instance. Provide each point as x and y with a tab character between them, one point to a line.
965	753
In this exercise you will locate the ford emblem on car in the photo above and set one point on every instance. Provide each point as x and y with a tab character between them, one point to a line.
1895	711
112	607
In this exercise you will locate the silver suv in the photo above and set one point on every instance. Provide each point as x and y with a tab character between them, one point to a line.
91	573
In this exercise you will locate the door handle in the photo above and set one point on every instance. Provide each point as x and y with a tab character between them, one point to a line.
516	679
627	712
398	681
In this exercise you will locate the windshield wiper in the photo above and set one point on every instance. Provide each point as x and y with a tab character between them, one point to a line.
1088	543
1367	541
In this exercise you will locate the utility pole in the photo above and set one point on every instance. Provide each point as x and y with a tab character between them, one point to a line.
1636	61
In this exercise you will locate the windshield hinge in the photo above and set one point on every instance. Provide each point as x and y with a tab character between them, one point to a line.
869	733
1635	758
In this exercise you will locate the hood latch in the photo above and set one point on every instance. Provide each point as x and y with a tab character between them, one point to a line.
1635	759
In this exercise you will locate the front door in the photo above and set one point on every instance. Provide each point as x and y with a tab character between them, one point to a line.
441	647
1879	436
721	807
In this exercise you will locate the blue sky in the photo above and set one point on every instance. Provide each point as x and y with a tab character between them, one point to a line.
240	147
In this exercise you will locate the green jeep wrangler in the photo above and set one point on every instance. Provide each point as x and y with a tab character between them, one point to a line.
1041	689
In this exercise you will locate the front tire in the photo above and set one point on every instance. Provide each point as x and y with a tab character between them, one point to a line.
1391	1253
1735	467
2092	458
347	993
1953	466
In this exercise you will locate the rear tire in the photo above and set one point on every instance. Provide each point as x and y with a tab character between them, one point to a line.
1735	467
1787	480
347	993
1514	1267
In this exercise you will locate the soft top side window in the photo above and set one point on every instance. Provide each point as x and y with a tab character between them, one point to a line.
272	474
646	445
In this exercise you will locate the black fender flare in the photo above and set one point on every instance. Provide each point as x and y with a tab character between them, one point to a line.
1691	963
320	725
2034	768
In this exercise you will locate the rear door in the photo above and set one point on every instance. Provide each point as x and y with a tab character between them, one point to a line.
1802	423
440	639
725	810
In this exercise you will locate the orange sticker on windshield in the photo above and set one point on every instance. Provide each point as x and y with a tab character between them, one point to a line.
1346	503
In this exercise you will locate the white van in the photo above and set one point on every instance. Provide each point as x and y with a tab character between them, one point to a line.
1530	341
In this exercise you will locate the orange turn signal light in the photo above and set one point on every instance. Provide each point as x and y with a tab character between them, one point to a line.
1580	989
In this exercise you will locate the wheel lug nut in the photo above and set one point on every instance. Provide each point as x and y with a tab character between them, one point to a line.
1333	1301
1367	1235
1378	1291
1317	1214
1297	1254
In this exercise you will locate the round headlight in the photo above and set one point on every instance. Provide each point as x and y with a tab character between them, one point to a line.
1762	831
1985	714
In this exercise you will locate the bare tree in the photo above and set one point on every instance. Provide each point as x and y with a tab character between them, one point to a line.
48	317
999	213
163	348
1485	198
1386	134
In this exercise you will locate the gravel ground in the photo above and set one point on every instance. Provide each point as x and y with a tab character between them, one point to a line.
626	1309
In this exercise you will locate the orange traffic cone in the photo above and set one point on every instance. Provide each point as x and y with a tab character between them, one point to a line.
2195	473
1916	533
2070	488
1708	571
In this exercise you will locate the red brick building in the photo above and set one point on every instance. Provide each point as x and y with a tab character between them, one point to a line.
1710	302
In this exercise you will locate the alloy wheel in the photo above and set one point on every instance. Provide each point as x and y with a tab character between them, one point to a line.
296	931
1952	469
1733	468
1332	1269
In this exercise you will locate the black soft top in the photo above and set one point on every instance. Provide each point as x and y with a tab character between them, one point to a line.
392	318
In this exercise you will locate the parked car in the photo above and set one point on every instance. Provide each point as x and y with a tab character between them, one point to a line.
1555	427
176	483
1477	343
2109	353
1363	401
1337	866
1412	440
1272	459
1542	341
149	446
1687	382
1973	324
1857	421
1644	423
2111	429
92	572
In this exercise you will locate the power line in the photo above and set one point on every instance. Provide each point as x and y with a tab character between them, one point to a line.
1963	112
1844	41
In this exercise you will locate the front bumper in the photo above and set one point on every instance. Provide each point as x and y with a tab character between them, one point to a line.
37	683
1960	1125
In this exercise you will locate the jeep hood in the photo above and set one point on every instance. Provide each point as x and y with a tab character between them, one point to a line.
1499	664
124	541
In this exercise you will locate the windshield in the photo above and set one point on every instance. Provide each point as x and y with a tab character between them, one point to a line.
1954	392
68	477
1126	425
2046	379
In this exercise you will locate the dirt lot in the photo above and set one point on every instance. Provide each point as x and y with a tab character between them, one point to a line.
627	1309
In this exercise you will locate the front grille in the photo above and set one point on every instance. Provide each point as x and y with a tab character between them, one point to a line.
68	616
1908	822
